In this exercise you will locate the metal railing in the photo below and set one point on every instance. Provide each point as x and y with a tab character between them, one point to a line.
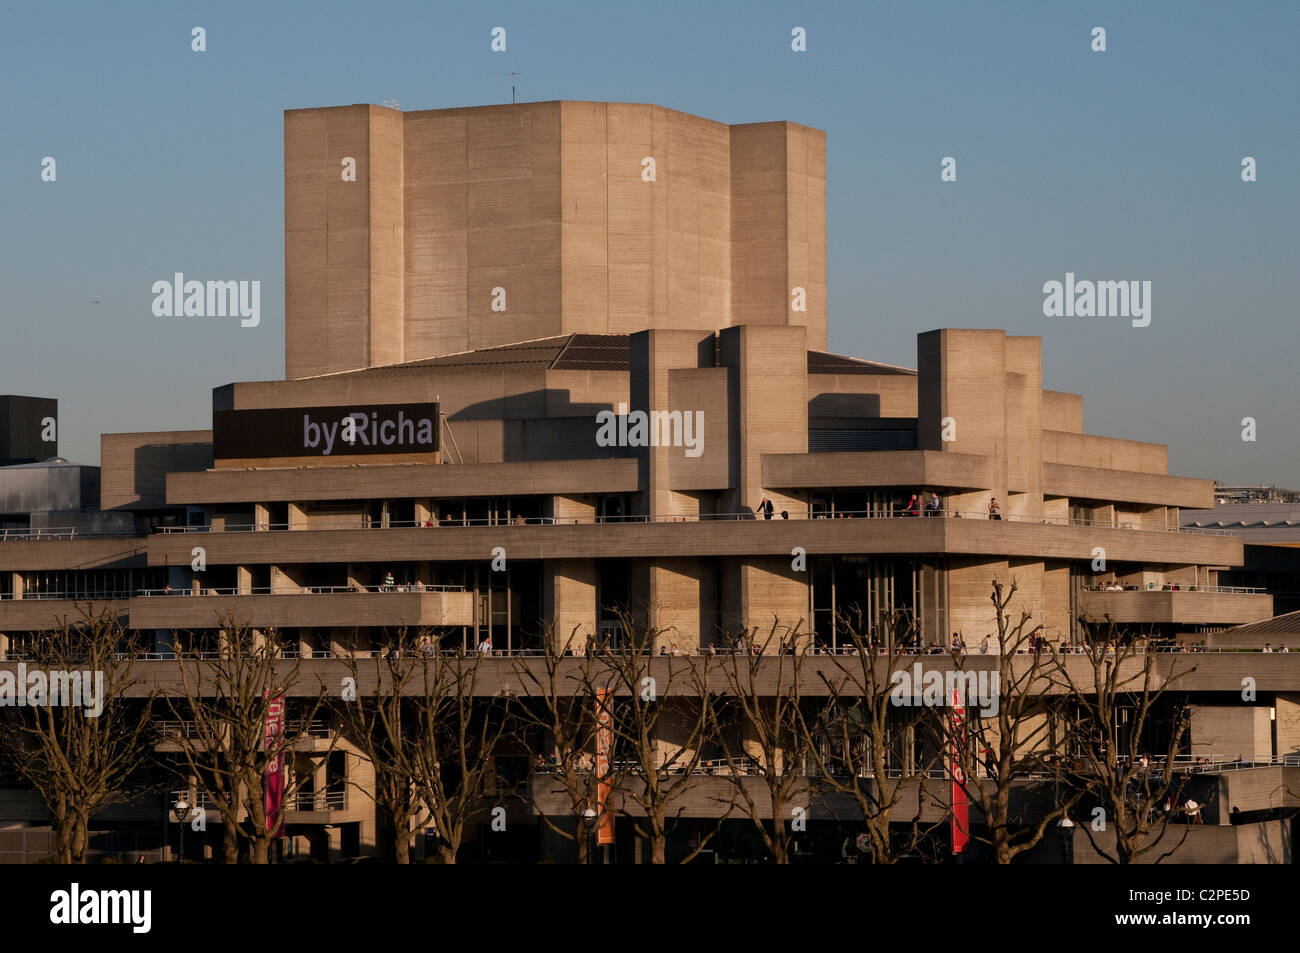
29	596
746	516
62	532
1179	587
319	801
188	728
297	590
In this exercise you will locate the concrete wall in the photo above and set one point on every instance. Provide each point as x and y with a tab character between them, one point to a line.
134	466
548	202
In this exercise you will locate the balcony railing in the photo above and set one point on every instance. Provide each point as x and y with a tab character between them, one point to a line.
66	532
296	590
1179	587
172	728
316	526
30	596
319	801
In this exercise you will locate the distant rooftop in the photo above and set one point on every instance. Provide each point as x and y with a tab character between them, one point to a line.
1288	624
592	352
1225	494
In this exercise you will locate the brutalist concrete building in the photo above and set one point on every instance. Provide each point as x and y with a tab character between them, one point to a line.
552	364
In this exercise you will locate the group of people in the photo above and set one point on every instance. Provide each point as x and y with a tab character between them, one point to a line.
390	584
932	507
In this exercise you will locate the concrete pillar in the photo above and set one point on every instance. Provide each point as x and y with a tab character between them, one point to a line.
962	393
1287	724
17	585
1225	731
680	599
261	515
297	516
768	409
572	509
773	600
1024	427
569	596
243	580
653	355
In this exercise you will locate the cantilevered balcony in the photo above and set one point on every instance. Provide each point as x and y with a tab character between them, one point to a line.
735	534
304	607
1212	605
47	611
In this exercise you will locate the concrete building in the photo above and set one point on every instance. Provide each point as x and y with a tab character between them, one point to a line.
533	380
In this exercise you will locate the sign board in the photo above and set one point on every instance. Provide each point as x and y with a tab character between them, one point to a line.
323	432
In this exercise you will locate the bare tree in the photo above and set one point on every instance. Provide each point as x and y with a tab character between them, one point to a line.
558	720
457	734
230	700
381	722
764	701
873	752
1121	704
650	771
1003	762
80	749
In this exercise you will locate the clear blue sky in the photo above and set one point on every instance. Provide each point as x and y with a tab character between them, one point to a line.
1115	165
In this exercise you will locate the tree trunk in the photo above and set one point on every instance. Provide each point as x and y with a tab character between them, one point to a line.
261	848
80	836
402	840
779	853
658	843
581	840
63	838
229	839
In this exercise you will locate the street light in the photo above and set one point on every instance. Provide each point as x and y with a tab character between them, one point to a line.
1065	836
589	832
181	811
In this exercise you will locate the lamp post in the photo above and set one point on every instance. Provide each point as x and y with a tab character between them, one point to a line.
181	811
589	832
1065	837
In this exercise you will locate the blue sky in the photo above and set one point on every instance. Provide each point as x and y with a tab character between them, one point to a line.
1117	165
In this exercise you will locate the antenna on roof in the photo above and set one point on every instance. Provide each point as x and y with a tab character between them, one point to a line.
513	74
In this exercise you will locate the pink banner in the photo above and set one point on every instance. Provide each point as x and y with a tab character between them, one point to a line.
960	804
604	788
273	783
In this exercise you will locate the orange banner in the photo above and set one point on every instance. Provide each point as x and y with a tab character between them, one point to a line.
604	745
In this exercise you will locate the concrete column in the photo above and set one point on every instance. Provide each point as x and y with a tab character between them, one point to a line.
653	355
1024	426
680	598
572	509
1287	726
17	585
971	612
962	393
773	600
297	516
569	590
767	404
243	580
261	515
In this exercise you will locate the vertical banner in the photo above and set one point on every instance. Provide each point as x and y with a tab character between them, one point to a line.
273	782
960	804
604	745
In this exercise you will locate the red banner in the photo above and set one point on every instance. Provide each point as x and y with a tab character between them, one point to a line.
960	804
273	782
604	744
